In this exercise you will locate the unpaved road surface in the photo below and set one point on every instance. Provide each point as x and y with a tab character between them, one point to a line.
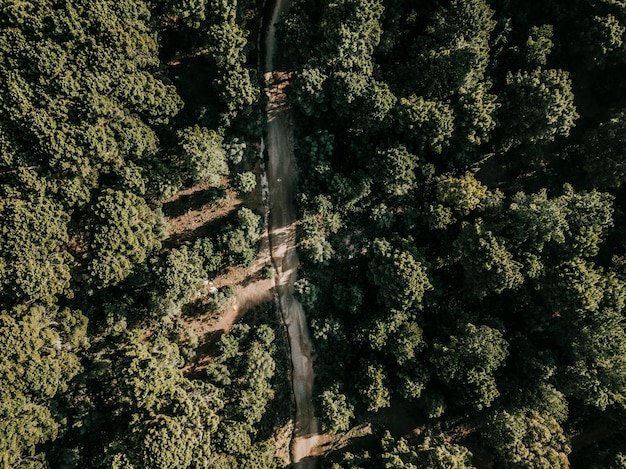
281	173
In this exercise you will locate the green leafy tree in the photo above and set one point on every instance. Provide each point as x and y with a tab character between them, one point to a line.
228	45
39	349
250	223
172	419
211	259
604	154
245	182
525	439
34	266
456	52
236	247
335	409
593	336
570	225
434	451
468	361
373	386
538	46
180	276
475	116
538	106
395	169
487	263
339	76
400	275
203	154
237	242
428	124
125	231
603	38
378	102
192	12
465	194
308	91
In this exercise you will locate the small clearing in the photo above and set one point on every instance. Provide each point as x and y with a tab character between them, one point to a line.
191	214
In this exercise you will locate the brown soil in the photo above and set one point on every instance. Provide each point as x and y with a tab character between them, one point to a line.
192	213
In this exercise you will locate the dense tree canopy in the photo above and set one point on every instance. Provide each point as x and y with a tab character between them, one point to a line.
475	262
461	172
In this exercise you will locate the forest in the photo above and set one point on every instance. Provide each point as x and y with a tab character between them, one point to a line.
461	170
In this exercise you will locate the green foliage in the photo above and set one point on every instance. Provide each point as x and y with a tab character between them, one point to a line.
250	223
179	276
464	195
191	12
466	273
595	336
38	358
33	264
475	117
603	35
348	55
245	182
306	292
88	146
124	233
395	169
426	282
434	452
335	411
219	301
400	274
538	107
572	224
172	418
526	439
604	157
202	154
428	124
308	86
237	248
237	242
211	260
373	387
455	53
468	361
538	46
227	42
487	263
378	102
84	92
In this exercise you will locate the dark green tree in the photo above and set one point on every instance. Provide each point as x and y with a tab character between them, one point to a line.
125	231
34	264
604	157
526	439
39	349
538	106
399	273
434	451
468	361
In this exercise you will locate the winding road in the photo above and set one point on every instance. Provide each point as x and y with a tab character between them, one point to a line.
281	175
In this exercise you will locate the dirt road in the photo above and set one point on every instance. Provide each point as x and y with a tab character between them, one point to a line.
281	173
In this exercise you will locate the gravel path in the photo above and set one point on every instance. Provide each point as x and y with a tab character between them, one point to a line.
281	173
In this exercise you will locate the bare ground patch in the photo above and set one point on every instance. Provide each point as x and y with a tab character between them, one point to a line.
196	212
191	212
